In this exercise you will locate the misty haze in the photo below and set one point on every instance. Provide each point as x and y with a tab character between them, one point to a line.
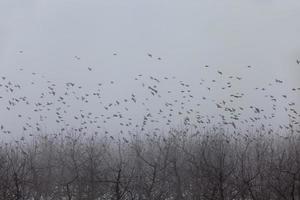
149	100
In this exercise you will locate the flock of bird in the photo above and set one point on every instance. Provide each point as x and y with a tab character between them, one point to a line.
150	110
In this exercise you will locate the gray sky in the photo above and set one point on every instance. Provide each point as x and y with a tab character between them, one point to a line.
227	35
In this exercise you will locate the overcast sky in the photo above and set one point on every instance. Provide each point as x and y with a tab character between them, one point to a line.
227	35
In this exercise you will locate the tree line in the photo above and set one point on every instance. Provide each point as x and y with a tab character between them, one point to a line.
179	165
